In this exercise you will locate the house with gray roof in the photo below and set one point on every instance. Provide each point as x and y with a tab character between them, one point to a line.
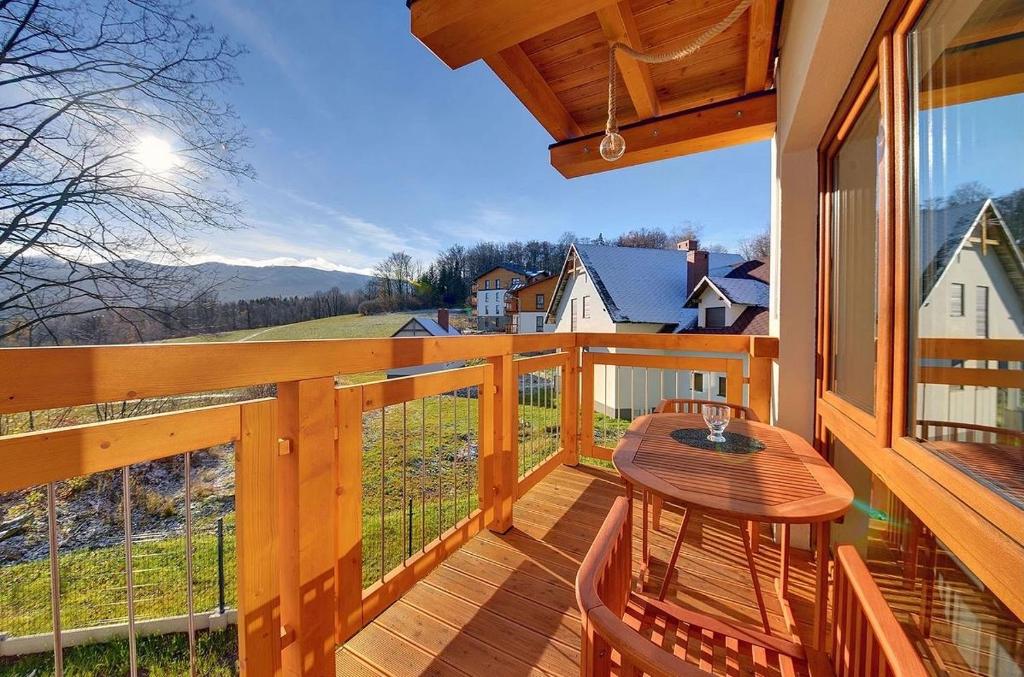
421	327
733	303
631	290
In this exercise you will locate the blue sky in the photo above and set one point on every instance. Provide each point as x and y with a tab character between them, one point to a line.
365	143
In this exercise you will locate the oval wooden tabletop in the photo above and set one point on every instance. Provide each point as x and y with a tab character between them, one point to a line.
786	482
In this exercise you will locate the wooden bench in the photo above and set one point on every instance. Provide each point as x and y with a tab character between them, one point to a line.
631	634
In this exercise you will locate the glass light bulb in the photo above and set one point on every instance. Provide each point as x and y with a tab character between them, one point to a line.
612	146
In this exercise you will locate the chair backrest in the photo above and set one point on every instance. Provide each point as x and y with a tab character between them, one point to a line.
867	640
602	593
682	406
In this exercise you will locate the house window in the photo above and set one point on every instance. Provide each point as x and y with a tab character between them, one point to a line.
714	317
586	306
540	323
540	301
854	214
487	284
515	280
981	311
572	314
960	127
698	382
487	310
956	300
497	283
721	386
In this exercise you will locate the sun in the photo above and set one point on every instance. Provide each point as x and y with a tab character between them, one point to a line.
155	155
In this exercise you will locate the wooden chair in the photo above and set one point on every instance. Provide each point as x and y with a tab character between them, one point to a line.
684	406
633	634
680	406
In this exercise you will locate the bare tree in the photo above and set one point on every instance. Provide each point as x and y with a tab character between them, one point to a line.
394	275
643	238
115	149
758	246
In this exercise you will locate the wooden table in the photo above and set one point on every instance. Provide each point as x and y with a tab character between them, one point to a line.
786	483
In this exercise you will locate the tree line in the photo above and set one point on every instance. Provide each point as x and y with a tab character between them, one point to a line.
204	314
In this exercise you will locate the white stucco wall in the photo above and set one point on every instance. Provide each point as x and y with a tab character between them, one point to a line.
528	322
820	45
490	302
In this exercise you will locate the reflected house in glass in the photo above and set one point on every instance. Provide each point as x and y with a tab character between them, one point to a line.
972	286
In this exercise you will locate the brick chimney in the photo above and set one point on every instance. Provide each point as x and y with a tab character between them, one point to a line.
696	266
442	318
690	245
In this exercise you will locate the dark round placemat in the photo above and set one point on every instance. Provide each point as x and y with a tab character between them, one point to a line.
734	442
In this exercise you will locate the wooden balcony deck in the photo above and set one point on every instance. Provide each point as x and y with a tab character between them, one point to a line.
504	604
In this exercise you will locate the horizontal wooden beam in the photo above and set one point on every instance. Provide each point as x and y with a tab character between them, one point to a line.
759	44
35	458
744	120
461	31
519	74
619	25
975	72
47	378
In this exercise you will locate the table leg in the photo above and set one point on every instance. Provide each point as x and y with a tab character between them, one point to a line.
747	537
675	554
821	585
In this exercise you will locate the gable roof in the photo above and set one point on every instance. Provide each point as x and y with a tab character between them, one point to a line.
511	267
430	326
745	284
642	285
951	228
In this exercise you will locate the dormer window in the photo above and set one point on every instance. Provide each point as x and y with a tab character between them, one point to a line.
714	317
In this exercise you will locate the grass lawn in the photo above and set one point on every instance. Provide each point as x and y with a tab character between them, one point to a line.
159	656
342	326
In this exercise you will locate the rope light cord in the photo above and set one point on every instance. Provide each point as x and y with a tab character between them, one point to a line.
612	127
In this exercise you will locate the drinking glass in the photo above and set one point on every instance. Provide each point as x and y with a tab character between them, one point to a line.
717	418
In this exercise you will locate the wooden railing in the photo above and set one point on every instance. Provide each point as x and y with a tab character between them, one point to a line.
981	350
305	460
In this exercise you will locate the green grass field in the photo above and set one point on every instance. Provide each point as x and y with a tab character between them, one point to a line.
342	326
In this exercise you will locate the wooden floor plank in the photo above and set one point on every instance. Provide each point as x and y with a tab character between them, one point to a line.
504	604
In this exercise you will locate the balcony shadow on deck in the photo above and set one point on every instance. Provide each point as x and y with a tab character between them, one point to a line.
504	604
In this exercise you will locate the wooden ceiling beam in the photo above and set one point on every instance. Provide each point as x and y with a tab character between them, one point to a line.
619	25
731	123
759	44
461	31
519	74
975	72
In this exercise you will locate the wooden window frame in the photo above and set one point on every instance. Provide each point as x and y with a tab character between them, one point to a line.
983	529
874	80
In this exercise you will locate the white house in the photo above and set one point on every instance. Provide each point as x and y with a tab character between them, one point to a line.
526	305
488	294
631	290
425	326
972	287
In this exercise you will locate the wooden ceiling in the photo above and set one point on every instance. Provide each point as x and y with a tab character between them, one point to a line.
553	55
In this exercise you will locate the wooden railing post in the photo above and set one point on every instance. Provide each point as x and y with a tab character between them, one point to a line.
259	601
487	456
586	404
306	424
349	489
570	407
506	432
